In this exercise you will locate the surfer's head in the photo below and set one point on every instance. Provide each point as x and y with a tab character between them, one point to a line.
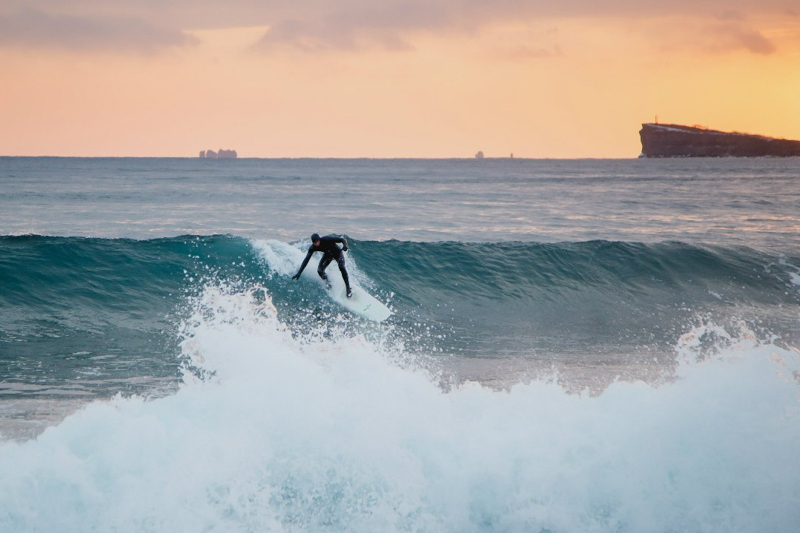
315	238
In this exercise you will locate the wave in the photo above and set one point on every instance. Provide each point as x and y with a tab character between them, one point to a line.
273	430
54	271
78	314
78	308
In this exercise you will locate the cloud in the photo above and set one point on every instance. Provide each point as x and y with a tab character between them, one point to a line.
34	29
319	25
316	25
753	41
317	36
351	25
725	37
731	15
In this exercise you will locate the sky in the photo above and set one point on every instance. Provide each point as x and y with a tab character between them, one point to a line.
389	78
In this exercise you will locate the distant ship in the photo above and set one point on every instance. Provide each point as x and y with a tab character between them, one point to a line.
221	154
672	140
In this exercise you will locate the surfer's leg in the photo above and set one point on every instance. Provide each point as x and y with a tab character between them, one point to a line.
340	262
323	264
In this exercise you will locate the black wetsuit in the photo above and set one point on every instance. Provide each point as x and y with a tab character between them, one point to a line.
328	245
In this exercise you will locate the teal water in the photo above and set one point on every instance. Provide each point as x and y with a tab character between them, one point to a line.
87	315
574	346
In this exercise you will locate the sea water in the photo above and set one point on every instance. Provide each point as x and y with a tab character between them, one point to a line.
575	346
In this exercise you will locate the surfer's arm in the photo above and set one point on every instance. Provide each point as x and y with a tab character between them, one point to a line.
305	262
342	241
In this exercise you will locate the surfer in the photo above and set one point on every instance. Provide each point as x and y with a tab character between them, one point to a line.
329	246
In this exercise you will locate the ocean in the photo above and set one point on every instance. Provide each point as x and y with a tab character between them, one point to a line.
575	346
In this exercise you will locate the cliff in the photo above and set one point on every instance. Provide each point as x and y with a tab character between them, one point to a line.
671	140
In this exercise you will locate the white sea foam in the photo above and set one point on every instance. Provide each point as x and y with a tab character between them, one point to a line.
274	432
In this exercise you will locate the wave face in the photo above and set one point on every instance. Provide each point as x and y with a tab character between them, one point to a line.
275	430
96	315
589	297
80	314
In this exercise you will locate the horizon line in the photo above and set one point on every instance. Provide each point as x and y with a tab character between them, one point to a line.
410	158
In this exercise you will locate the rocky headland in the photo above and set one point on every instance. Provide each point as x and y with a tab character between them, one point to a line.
672	140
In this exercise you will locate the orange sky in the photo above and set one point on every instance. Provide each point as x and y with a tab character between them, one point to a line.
395	80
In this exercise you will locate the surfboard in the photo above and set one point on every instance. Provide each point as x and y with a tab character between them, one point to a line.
361	303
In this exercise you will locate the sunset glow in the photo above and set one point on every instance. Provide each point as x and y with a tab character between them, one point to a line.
381	79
